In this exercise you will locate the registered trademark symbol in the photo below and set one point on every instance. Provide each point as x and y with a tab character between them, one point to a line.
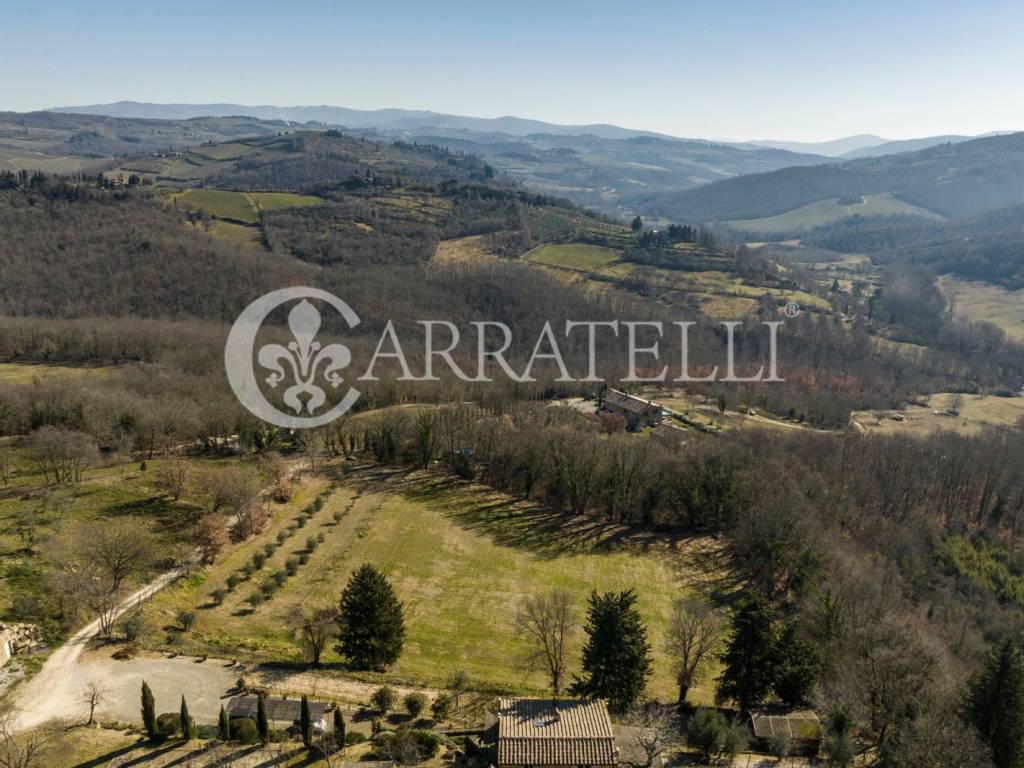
792	309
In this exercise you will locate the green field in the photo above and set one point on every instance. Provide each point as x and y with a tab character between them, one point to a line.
986	303
578	256
241	207
25	373
460	558
823	212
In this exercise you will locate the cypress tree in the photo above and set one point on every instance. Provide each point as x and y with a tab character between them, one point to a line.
616	658
995	705
372	629
339	728
148	710
186	722
751	656
305	722
262	724
223	726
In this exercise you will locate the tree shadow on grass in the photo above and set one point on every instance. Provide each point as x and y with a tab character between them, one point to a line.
511	522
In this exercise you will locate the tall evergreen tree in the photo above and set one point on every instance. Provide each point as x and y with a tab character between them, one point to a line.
339	728
751	656
262	724
372	629
995	705
305	722
616	658
148	710
223	726
186	724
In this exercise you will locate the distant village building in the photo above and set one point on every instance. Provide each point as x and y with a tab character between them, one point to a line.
545	732
637	412
281	713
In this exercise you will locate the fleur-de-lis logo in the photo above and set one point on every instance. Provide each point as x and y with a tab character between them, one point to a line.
304	356
308	368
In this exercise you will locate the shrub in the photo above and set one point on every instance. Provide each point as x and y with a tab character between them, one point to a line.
383	699
280	577
304	558
269	549
281	536
167	725
320	537
187	620
258	559
132	626
255	599
376	726
407	746
441	709
704	732
244	729
338	514
267	588
415	703
311	543
218	595
248	570
233	581
301	522
354	737
291	566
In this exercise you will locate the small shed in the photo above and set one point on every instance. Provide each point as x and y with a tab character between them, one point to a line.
281	713
801	725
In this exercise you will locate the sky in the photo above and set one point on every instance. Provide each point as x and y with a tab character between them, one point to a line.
778	69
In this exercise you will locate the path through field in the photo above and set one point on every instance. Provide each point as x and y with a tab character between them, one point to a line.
53	692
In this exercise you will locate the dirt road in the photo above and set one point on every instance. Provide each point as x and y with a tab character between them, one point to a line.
53	692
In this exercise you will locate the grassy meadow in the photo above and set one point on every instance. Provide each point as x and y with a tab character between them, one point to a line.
243	207
577	256
460	557
986	303
822	212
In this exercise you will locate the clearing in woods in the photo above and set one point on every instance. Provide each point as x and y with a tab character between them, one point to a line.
975	413
241	207
986	303
578	256
461	558
827	212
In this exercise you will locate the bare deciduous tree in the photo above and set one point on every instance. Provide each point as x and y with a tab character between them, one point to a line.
211	536
61	454
649	731
549	621
28	749
117	550
91	696
314	629
694	633
172	476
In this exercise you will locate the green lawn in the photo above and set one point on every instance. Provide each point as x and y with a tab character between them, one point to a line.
578	256
460	558
242	207
823	212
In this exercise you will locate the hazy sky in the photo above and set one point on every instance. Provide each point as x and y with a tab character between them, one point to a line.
739	70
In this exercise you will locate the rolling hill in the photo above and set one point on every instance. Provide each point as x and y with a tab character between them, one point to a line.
952	180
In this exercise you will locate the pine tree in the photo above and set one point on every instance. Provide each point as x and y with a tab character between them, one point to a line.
995	705
148	710
750	658
262	724
636	224
305	722
223	726
616	658
186	722
339	728
372	629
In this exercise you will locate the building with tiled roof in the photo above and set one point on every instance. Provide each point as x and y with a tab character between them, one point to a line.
545	732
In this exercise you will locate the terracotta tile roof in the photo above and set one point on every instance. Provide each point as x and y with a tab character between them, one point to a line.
545	732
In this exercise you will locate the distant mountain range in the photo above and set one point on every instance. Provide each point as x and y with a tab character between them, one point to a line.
385	119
